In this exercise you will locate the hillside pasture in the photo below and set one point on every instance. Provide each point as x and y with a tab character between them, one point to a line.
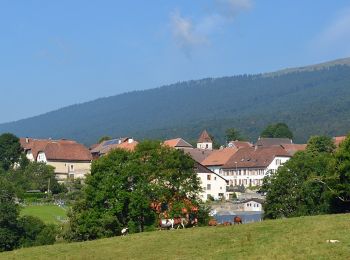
296	238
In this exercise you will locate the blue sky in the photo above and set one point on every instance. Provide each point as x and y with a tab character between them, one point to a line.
57	53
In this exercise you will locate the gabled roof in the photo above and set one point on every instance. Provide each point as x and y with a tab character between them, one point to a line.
108	143
197	154
177	143
219	157
255	157
239	144
293	148
204	137
66	150
265	142
261	201
200	168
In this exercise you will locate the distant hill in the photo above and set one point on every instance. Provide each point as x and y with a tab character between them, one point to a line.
311	100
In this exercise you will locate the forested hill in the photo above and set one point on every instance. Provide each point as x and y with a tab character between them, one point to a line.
311	100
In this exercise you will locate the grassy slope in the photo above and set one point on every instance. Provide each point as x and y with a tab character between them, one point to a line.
47	213
297	238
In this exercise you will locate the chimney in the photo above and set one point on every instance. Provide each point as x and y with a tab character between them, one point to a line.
27	140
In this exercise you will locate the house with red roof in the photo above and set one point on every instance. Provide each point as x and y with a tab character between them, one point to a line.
249	166
70	159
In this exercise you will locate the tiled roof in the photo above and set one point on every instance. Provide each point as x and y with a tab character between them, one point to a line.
177	143
67	151
265	142
255	157
103	145
240	144
293	148
56	149
197	154
204	137
338	140
219	157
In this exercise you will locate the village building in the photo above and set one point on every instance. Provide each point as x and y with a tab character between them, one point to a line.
70	159
268	142
178	143
249	166
218	158
293	148
338	140
239	144
105	147
205	141
213	185
253	204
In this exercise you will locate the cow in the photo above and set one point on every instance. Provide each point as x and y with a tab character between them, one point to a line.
125	231
170	223
213	223
237	220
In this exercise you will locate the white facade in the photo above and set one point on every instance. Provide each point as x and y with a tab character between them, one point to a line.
252	205
212	185
252	176
205	146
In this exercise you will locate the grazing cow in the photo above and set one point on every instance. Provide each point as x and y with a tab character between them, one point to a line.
173	222
226	223
213	223
125	231
237	220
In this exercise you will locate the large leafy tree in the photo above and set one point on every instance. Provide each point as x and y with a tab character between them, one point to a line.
340	181
123	185
295	190
320	144
279	130
9	212
10	150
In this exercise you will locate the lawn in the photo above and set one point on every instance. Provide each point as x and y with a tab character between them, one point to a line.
296	238
47	213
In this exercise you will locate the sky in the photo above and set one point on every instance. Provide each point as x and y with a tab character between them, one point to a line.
59	53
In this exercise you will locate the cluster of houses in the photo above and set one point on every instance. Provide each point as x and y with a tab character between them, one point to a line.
222	171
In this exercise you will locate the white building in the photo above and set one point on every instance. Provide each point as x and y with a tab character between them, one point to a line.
249	166
253	204
213	185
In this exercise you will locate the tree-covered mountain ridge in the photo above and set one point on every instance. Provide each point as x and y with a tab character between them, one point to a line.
311	100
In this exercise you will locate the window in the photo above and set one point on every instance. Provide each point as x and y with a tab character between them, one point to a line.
215	178
208	186
208	177
278	161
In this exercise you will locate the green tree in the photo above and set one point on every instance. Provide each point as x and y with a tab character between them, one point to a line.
10	150
320	144
340	181
233	135
122	186
294	190
279	130
9	231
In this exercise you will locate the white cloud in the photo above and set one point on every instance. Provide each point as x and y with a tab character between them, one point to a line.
185	32
190	34
336	36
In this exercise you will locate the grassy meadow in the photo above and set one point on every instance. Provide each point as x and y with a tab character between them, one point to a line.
50	214
295	238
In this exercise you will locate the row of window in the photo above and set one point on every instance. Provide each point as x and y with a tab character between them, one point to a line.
246	182
243	172
255	205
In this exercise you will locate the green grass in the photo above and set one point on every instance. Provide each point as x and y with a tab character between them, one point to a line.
50	214
296	238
